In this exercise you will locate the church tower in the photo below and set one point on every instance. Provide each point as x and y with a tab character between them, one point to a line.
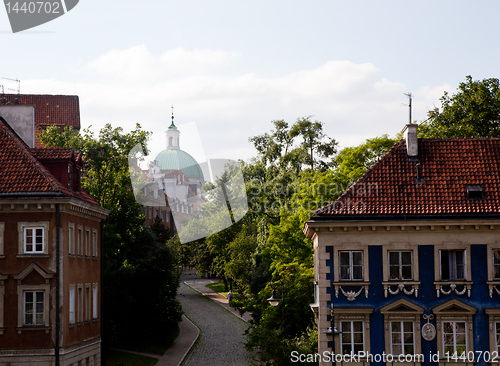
172	134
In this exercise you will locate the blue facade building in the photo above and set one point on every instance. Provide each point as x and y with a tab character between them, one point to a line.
407	260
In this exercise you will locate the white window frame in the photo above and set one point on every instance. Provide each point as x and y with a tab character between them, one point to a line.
88	302
494	327
22	227
342	314
444	325
21	291
400	264
351	332
95	253
401	332
437	262
400	311
71	239
351	266
454	267
454	311
2	253
72	305
79	240
80	313
87	242
95	301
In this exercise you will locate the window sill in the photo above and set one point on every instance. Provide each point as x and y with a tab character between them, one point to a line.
81	256
95	320
71	325
95	258
72	255
452	285
41	255
2	256
1	330
30	328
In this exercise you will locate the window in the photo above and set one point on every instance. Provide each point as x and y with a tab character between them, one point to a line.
87	242
496	264
70	177
452	264
87	302
2	228
353	322
351	265
80	240
33	240
80	303
474	192
352	337
34	308
71	304
454	337
494	327
71	239
454	326
400	265
402	342
94	243
402	328
95	299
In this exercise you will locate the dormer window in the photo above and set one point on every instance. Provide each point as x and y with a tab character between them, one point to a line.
474	192
70	177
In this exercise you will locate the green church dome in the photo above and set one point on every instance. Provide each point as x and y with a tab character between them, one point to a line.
170	159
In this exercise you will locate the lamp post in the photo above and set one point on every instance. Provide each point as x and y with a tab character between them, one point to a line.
331	332
273	300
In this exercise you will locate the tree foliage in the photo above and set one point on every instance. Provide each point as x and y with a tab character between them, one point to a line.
140	271
474	111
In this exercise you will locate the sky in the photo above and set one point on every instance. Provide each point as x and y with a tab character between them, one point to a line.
232	67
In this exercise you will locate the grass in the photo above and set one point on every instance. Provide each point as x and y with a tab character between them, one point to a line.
219	287
115	358
155	346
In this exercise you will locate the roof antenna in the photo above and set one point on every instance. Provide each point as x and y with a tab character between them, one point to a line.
409	105
18	84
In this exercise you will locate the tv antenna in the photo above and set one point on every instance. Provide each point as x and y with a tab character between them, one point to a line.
18	84
409	104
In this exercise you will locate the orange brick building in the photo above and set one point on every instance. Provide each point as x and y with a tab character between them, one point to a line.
50	255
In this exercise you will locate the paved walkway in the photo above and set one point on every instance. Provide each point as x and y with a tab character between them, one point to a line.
222	338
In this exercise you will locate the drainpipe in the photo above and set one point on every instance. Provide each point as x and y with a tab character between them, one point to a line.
103	335
58	285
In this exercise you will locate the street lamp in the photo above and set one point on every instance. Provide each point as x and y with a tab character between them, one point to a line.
332	331
273	300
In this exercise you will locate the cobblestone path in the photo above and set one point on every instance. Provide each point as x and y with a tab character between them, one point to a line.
221	339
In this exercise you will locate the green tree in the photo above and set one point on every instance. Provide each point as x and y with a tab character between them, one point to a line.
352	162
474	111
133	257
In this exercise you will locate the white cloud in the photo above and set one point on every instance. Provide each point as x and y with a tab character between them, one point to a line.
353	100
138	64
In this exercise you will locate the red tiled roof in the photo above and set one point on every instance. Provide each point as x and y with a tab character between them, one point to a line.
61	110
52	153
389	187
21	173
